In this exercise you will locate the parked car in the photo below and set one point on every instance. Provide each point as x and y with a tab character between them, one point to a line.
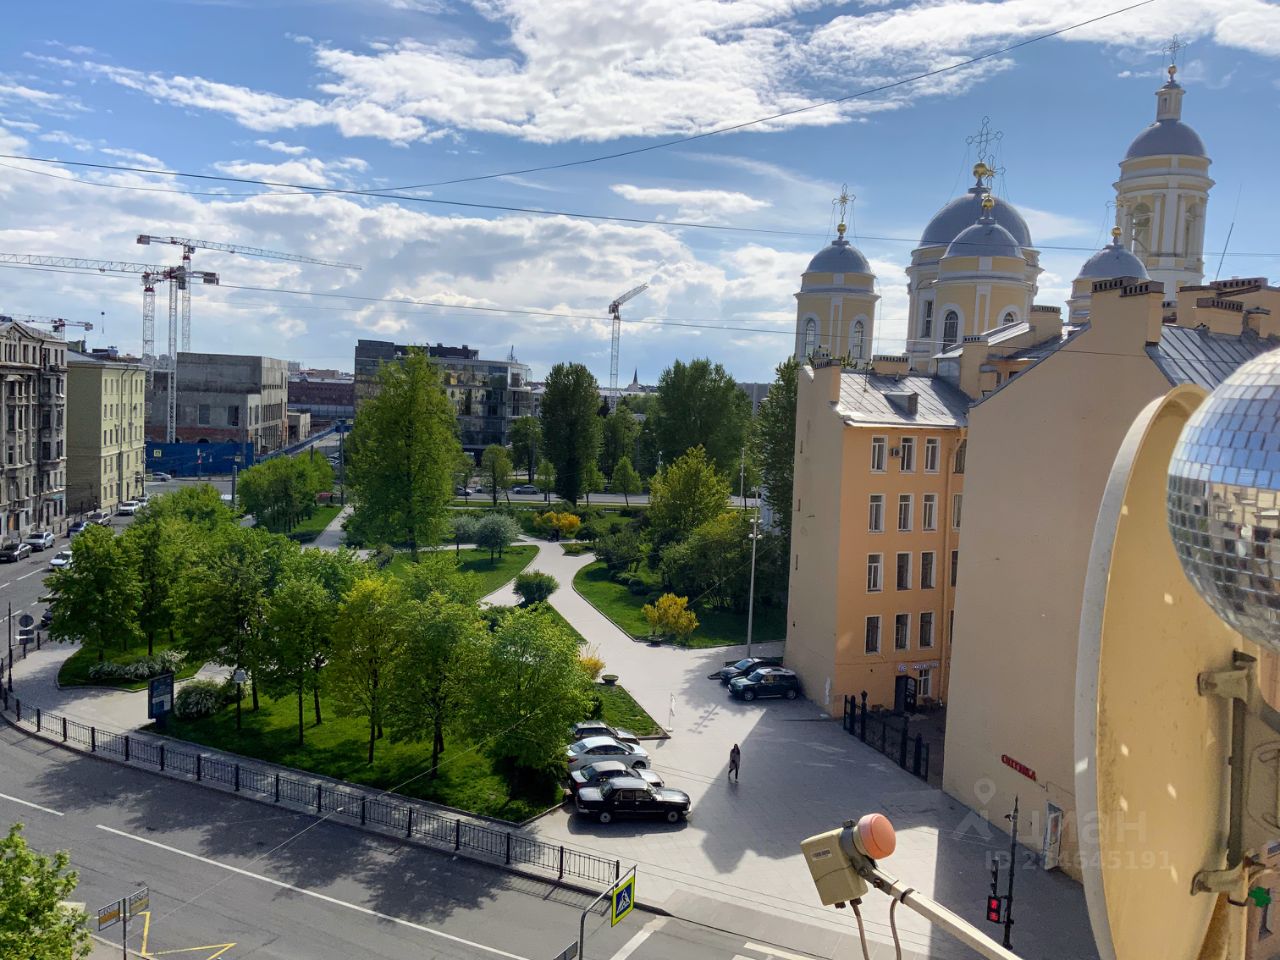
632	797
60	559
160	477
127	508
598	728
525	488
460	491
99	517
143	500
12	552
766	682
602	771
42	540
78	527
605	748
743	667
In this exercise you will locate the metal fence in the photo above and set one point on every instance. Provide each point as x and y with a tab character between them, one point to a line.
386	812
888	733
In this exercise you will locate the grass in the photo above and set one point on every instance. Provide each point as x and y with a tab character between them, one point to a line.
338	748
310	528
74	671
492	573
621	710
576	549
716	627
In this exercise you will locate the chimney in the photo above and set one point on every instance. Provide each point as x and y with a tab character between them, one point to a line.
891	364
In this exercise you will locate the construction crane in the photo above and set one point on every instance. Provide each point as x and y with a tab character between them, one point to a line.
190	246
58	323
614	312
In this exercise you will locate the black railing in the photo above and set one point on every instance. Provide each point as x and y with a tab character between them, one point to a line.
387	811
889	733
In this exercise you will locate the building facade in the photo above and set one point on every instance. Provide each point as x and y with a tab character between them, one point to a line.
33	367
327	399
224	398
106	431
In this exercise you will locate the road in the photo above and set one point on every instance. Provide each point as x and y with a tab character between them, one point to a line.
273	885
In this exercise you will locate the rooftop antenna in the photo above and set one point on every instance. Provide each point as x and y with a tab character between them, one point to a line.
1231	229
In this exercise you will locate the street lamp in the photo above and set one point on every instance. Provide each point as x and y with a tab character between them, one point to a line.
238	678
753	536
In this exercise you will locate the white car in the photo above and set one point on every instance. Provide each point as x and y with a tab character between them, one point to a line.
127	508
60	559
42	540
606	748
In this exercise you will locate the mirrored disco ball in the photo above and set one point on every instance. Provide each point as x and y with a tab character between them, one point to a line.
1224	500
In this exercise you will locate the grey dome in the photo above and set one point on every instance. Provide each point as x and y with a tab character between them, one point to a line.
986	238
1110	262
960	214
1166	137
840	257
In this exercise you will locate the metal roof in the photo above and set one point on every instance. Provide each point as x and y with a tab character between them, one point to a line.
964	211
839	257
1187	355
1166	137
877	398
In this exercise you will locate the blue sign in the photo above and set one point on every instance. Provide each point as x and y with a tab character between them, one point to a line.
160	696
624	900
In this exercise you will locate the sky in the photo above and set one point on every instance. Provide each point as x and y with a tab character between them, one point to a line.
371	95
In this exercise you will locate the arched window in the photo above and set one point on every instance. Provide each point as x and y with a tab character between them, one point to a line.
810	338
856	333
926	321
1010	317
1141	229
950	329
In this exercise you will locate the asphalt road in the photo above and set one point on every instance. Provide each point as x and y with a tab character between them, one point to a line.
267	884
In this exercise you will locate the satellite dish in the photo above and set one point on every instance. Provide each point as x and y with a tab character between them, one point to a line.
1159	844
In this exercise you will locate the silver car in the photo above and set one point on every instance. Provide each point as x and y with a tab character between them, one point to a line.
41	540
606	748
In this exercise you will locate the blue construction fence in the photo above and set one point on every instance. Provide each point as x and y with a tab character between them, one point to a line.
198	459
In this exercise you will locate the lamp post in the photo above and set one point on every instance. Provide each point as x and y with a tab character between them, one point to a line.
238	677
754	537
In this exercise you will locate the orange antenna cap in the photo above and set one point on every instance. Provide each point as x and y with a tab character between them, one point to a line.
875	835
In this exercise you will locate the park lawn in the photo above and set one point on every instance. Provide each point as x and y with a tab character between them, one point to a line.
338	748
311	527
716	627
74	671
621	710
492	573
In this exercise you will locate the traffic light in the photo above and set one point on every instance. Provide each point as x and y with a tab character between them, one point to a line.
993	910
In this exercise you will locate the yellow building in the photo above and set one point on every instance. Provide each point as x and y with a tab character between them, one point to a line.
836	303
106	431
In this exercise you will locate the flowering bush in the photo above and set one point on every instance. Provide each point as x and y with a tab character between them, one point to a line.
143	668
199	698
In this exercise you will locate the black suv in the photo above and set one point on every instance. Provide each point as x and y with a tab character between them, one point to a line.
632	797
766	682
744	667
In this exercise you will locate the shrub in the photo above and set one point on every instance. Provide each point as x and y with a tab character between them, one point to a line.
576	549
199	698
592	662
638	587
143	668
383	556
588	531
535	587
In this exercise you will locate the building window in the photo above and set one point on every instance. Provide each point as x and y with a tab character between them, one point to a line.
902	631
931	455
202	417
950	329
928	576
904	571
904	512
955	567
926	630
924	685
810	338
855	340
875	573
875	520
929	512
957	501
1010	317
873	635
908	454
926	325
960	451
233	415
878	450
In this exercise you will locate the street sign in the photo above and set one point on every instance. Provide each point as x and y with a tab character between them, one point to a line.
568	953
160	696
139	900
109	916
26	620
623	900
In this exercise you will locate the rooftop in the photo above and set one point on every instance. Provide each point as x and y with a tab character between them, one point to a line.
879	398
1186	355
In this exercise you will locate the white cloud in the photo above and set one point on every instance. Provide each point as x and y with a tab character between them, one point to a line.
1045	225
306	171
67	140
279	146
14	92
134	157
696	206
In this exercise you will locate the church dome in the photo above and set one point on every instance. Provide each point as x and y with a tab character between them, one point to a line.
839	257
1166	137
960	214
1112	261
987	237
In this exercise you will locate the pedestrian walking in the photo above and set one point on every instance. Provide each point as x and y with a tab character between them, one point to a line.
735	761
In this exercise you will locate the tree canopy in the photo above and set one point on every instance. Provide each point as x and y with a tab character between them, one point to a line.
775	442
495	466
699	404
624	479
684	495
570	425
98	594
34	924
281	491
619	433
526	445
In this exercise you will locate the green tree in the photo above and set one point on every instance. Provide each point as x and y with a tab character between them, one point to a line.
699	404
775	444
200	505
670	616
422	688
570	425
34	923
98	594
592	480
495	532
368	634
438	573
281	491
535	587
336	571
300	625
621	550
495	464
522	688
713	562
403	448
161	548
526	445
625	480
546	478
464	531
684	495
619	434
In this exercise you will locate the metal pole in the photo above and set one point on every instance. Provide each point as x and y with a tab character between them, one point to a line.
342	468
742	479
235	469
751	595
962	930
124	929
1013	868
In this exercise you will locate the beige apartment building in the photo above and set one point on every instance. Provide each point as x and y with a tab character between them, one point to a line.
32	417
106	431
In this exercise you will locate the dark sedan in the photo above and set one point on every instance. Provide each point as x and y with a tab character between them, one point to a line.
12	552
632	797
602	771
744	667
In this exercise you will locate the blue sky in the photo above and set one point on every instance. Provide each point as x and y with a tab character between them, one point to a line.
372	94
